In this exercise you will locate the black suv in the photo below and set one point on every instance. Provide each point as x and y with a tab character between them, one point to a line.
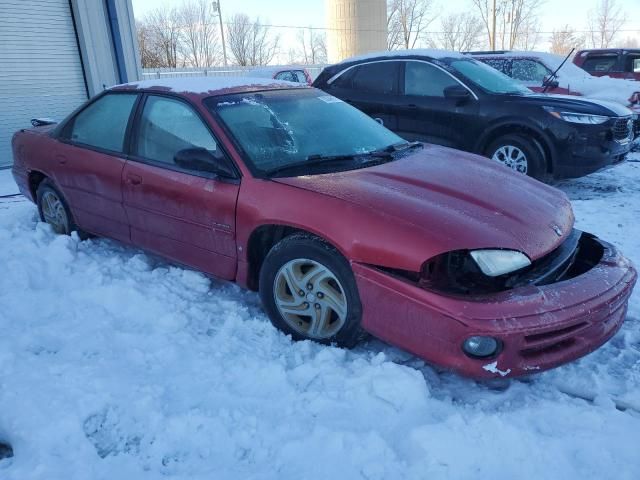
453	100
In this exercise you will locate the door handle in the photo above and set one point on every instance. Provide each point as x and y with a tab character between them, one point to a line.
61	159
412	105
134	180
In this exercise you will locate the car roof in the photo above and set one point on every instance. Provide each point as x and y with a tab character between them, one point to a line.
207	86
411	53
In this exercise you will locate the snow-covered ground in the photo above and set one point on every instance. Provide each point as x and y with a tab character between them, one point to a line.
7	185
117	365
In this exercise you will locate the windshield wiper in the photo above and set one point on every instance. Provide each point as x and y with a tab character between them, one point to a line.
311	161
394	148
374	157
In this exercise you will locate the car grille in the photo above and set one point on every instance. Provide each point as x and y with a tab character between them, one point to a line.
623	130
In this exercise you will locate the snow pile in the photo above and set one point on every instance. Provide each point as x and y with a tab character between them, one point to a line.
114	364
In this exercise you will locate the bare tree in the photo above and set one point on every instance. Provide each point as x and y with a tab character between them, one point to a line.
163	25
150	54
563	40
407	21
460	32
251	43
199	33
516	22
605	22
313	46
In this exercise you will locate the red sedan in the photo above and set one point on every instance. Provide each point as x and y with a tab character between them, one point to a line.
343	227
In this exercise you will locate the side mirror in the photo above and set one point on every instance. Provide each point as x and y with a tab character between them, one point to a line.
202	160
458	93
547	82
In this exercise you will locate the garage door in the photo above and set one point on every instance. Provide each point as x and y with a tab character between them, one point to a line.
40	67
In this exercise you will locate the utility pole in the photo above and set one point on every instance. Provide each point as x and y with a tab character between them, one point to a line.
216	5
493	28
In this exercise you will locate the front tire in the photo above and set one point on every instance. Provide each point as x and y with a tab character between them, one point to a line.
309	292
520	153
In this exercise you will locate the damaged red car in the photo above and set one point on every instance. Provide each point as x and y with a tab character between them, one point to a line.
343	227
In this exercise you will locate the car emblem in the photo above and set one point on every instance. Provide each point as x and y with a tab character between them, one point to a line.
557	229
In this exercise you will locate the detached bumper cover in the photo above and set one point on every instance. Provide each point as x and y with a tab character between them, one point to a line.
540	327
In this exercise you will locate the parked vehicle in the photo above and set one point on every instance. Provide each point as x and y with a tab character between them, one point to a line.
450	99
533	68
610	62
289	73
341	225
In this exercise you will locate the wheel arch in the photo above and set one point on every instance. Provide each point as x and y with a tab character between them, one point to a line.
260	242
35	178
511	127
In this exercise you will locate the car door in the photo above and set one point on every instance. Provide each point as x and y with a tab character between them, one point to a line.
185	215
90	158
373	89
426	114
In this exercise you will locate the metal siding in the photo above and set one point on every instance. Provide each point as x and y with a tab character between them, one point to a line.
40	67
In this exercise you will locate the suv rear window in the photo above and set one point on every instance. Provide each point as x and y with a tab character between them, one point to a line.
379	77
600	63
633	63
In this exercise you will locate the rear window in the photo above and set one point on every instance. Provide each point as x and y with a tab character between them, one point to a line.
600	63
633	63
379	77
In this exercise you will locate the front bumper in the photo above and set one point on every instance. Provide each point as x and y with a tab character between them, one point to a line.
540	327
584	149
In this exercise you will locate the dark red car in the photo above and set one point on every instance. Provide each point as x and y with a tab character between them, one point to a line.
610	62
343	227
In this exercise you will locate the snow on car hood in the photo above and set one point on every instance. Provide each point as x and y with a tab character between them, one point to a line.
576	79
456	200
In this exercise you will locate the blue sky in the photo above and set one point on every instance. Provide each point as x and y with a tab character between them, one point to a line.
301	13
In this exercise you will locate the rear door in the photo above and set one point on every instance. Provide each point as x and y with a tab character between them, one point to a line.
185	215
425	114
89	159
372	88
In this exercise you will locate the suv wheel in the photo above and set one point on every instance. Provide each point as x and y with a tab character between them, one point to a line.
309	292
522	154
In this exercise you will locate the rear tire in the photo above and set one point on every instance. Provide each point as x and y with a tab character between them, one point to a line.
309	292
54	210
520	153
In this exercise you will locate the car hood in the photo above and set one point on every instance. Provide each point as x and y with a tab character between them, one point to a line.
571	103
455	200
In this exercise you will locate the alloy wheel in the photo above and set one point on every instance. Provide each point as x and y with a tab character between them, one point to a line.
512	157
54	212
310	298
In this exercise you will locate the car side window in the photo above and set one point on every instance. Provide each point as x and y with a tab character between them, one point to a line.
168	126
302	78
103	123
346	79
602	63
498	64
426	80
633	63
287	75
378	77
527	70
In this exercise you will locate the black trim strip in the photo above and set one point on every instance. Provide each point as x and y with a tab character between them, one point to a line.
75	32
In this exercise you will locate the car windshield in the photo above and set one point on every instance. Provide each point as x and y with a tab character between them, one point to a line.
486	77
279	129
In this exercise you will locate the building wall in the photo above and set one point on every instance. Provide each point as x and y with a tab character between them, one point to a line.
54	54
98	44
355	27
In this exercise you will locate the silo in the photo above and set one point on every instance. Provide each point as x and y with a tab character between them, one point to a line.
355	27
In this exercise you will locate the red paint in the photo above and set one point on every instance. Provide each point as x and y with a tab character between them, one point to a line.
395	215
